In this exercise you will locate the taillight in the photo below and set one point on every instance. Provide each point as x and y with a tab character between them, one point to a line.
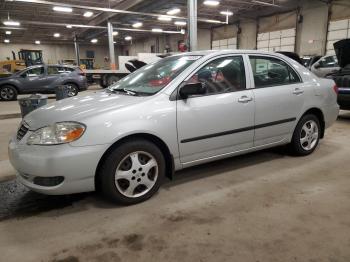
335	88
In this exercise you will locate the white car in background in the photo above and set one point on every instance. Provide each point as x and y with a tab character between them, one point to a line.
181	111
325	66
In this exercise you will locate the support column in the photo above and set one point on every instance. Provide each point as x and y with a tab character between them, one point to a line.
111	46
192	24
76	46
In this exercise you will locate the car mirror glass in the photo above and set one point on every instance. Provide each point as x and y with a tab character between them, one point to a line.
190	89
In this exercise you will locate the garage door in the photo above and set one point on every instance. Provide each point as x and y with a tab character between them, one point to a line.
337	30
230	43
281	40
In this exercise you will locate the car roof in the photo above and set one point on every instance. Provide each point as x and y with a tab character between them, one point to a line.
36	66
213	53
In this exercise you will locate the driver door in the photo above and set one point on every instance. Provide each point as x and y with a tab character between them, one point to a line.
221	121
32	79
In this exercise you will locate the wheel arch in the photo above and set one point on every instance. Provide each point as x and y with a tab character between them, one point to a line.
10	84
71	82
169	159
319	114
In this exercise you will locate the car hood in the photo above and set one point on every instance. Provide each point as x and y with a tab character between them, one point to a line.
342	51
79	108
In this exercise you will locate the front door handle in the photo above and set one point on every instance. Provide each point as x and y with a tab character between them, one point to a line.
245	99
298	91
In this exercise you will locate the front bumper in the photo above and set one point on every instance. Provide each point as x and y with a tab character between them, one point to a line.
77	165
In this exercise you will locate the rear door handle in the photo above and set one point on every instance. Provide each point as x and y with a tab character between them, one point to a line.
245	99
298	91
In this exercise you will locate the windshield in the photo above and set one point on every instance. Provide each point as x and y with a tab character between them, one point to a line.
151	78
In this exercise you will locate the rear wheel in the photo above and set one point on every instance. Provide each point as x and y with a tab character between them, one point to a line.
306	135
8	93
72	89
132	172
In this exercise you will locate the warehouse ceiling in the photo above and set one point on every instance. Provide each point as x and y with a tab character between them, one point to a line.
40	22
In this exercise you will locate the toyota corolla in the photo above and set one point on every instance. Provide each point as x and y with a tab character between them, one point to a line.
181	111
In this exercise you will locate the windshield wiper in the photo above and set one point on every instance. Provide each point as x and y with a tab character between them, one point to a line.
125	90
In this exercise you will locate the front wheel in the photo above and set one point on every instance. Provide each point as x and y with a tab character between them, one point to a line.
8	93
132	172
306	135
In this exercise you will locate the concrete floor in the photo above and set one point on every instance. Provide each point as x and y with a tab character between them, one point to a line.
266	207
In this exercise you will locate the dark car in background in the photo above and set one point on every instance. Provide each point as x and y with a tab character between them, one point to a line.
42	79
342	76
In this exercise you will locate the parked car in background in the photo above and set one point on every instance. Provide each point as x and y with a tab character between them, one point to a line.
181	111
308	61
325	66
342	76
42	79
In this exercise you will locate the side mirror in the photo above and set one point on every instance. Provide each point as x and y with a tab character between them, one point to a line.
190	89
317	65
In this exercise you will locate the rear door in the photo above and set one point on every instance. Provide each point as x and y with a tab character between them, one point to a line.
279	98
221	121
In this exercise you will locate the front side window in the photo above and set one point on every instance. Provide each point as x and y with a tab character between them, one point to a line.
270	71
37	71
328	61
151	78
221	75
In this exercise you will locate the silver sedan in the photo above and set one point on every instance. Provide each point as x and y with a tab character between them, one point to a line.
181	111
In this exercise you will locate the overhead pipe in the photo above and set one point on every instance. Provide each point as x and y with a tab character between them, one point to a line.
110	10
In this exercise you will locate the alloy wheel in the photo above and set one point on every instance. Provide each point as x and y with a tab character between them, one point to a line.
7	93
309	135
136	174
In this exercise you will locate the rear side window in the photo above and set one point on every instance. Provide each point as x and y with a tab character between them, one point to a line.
52	70
328	61
222	75
270	71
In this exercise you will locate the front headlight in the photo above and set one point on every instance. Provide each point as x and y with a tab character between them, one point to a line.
58	133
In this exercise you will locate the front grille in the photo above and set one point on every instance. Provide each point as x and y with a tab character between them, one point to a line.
22	131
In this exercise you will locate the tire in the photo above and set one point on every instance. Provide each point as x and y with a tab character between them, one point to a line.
132	172
73	89
112	79
8	93
306	135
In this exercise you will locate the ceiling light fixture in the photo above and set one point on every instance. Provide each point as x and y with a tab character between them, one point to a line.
115	33
37	42
88	14
180	23
128	38
11	23
157	30
7	41
56	35
8	32
94	41
226	13
173	11
211	2
164	18
137	25
62	9
69	26
266	3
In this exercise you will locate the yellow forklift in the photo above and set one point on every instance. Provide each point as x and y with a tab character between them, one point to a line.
26	57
